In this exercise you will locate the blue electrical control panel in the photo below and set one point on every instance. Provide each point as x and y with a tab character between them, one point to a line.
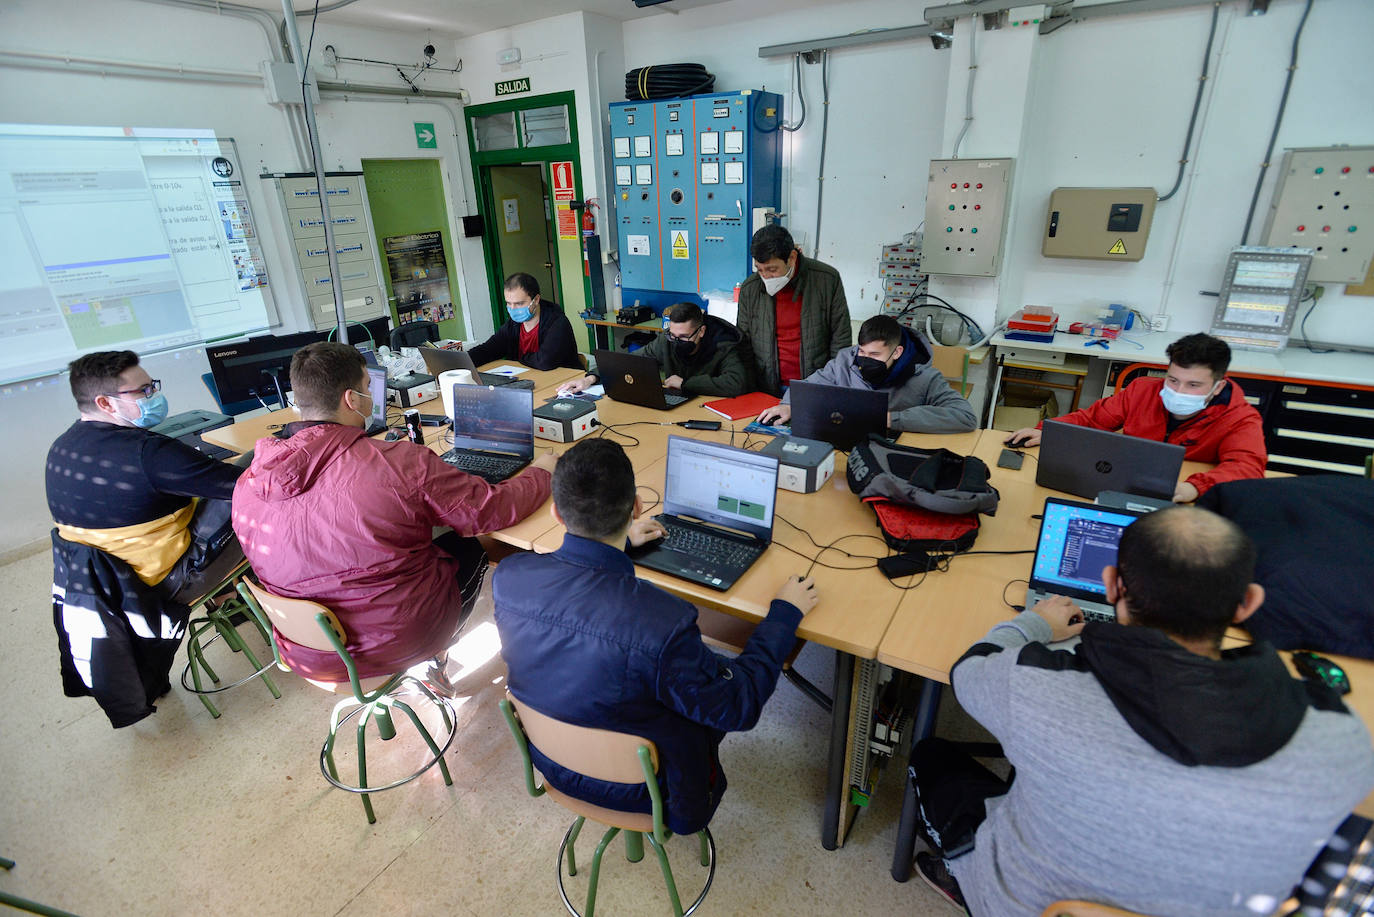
688	174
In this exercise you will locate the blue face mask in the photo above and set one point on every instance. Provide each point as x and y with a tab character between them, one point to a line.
151	411
522	314
1181	405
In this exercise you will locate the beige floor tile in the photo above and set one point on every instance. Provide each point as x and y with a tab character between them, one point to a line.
183	814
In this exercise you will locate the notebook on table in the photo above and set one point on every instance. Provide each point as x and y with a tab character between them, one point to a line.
750	405
718	510
634	379
493	430
1077	540
1085	461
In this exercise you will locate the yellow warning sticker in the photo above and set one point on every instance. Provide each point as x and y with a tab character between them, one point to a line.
1118	249
681	248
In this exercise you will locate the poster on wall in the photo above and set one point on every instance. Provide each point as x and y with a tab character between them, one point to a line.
419	277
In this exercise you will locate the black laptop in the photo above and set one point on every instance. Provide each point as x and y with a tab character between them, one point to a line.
634	379
1077	541
1086	461
438	360
493	430
836	414
718	510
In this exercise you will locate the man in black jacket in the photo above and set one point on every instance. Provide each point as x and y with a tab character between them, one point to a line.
699	354
538	334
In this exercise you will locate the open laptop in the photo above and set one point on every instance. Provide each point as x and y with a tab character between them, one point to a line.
1077	540
718	510
634	379
438	360
493	430
836	414
1085	462
376	385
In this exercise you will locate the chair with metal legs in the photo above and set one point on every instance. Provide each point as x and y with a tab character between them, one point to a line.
313	625
610	756
218	621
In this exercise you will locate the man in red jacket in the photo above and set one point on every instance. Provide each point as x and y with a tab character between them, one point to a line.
332	516
1194	406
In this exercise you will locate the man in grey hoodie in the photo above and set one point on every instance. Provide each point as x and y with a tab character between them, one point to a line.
1154	771
891	359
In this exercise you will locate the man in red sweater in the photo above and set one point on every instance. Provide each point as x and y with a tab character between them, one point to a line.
1194	406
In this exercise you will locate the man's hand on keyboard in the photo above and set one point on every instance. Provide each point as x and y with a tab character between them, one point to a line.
546	461
800	591
643	531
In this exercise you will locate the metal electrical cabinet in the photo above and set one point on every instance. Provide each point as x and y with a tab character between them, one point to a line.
688	173
1324	200
354	244
966	216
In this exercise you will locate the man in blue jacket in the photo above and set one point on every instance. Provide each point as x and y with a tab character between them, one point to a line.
587	642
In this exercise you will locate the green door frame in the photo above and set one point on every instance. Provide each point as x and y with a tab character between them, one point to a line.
538	155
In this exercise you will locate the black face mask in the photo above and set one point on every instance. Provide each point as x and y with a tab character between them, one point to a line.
870	370
684	349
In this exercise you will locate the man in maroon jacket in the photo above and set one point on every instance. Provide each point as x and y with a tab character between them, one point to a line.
1194	406
332	516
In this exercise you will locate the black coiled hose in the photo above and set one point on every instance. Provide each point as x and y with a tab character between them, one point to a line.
667	81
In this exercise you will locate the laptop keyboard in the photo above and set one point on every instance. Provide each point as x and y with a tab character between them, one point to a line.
492	469
674	400
712	549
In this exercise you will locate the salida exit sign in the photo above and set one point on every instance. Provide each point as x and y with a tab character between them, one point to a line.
511	87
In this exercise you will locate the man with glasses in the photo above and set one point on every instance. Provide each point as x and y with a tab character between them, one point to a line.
148	499
538	334
699	354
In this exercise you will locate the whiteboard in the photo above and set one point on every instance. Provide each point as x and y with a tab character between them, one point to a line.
122	239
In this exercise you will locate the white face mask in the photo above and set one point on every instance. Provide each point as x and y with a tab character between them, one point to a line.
1181	405
774	284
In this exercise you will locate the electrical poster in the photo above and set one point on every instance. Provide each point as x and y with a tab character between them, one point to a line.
418	268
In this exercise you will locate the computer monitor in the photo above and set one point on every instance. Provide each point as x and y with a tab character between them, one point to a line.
256	369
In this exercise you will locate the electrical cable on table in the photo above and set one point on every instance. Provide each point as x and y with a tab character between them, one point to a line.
1016	608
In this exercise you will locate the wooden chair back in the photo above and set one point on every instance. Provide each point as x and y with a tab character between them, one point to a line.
596	753
295	620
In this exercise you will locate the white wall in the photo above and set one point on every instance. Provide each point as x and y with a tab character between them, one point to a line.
146	33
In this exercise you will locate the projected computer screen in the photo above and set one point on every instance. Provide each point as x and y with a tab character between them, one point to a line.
121	238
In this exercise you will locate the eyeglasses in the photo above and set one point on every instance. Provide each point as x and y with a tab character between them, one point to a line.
686	338
146	391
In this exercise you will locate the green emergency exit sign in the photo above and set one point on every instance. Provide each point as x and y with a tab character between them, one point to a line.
425	138
510	87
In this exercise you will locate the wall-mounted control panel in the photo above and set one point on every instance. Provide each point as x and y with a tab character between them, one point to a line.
1104	224
1324	200
966	216
688	174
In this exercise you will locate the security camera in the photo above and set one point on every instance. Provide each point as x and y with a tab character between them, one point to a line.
429	50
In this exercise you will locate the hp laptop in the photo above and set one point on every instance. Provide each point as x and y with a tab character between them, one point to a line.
1085	462
1076	541
634	379
718	510
438	360
493	430
840	416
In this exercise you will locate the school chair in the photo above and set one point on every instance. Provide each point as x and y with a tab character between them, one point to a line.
312	625
225	573
615	757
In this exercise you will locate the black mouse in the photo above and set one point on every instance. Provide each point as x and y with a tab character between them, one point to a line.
392	436
1015	443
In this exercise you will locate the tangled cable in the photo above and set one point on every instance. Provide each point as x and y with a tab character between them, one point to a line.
667	81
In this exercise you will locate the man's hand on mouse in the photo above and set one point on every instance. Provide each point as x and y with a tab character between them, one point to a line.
778	413
1063	616
1022	438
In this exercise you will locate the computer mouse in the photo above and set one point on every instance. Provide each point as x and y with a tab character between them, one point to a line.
1016	442
392	436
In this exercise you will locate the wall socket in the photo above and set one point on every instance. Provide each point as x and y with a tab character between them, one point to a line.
1159	322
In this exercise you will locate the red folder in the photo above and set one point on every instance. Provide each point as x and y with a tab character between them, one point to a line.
750	405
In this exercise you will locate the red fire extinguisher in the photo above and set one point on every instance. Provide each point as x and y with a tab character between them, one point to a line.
588	230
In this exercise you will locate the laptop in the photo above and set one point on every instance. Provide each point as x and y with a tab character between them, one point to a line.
836	414
718	510
376	384
493	430
1084	461
1077	540
438	360
634	379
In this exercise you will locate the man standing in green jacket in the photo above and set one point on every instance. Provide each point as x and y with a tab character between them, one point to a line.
699	354
792	310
